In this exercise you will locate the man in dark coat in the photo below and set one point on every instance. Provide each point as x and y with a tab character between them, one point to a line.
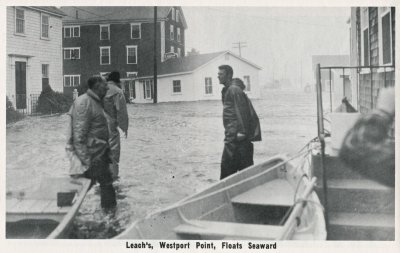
90	138
117	117
238	149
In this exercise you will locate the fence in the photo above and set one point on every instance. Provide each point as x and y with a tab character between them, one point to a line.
25	104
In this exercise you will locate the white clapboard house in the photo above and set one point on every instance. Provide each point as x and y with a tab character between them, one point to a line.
34	53
192	78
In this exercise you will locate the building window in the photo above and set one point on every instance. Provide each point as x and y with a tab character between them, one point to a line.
45	26
173	13
171	32
366	46
72	53
208	85
104	32
131	54
177	16
178	34
135	31
148	88
179	52
131	74
105	56
176	86
45	76
247	83
172	49
19	21
72	31
72	80
386	39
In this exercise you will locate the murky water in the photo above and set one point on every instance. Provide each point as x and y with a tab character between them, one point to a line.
172	151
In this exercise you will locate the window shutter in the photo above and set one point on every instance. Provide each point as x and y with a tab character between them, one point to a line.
144	89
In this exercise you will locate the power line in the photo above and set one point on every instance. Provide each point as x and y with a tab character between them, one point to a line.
240	45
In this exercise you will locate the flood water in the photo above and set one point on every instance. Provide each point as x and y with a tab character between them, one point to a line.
172	151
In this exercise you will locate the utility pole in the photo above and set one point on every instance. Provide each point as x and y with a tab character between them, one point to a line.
240	45
155	57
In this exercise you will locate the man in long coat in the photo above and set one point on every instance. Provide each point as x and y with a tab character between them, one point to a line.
90	138
117	116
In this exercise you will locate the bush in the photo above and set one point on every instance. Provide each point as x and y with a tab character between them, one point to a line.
53	102
12	115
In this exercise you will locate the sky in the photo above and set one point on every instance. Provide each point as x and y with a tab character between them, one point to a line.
280	40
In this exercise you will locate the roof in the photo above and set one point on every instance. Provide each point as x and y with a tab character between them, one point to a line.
188	64
50	9
110	14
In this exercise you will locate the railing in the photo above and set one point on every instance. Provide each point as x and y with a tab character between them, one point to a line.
25	104
370	94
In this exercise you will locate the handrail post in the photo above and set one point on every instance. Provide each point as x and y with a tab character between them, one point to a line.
321	137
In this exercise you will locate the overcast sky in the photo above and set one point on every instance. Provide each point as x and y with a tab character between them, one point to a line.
280	40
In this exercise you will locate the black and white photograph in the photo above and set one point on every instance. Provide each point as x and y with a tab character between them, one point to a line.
199	126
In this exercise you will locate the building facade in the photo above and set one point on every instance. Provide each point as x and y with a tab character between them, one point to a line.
193	78
372	32
34	53
98	40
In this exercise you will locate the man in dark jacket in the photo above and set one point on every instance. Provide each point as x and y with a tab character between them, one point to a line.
90	138
117	116
238	149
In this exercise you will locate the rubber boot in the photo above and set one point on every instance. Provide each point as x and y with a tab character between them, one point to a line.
108	197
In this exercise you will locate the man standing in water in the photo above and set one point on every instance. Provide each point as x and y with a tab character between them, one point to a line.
90	138
240	122
117	116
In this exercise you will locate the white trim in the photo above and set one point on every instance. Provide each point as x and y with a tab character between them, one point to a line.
177	14
178	34
109	55
71	32
380	35
108	32
171	32
140	30
15	21
103	73
205	86
173	13
180	86
41	26
136	54
71	49
172	49
162	36
71	78
131	73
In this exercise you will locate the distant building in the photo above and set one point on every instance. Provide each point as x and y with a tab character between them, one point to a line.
34	49
98	40
372	32
193	78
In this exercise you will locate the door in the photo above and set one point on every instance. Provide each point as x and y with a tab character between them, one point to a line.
45	76
20	84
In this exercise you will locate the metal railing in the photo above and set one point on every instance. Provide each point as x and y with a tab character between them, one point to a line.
26	104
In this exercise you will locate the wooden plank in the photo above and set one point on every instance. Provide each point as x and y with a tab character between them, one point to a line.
11	203
277	192
39	206
53	208
218	230
22	207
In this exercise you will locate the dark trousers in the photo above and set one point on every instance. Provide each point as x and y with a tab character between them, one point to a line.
235	157
99	172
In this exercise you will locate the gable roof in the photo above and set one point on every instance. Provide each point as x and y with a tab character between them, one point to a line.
187	64
111	14
49	9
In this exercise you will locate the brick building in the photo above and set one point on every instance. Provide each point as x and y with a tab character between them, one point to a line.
98	40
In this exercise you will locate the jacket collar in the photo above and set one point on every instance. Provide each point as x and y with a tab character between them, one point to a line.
93	95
